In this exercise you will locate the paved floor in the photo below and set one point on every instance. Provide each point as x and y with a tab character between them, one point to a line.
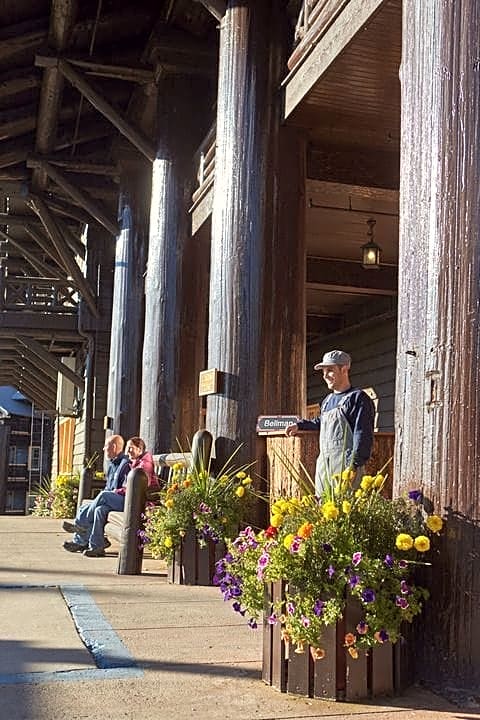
156	651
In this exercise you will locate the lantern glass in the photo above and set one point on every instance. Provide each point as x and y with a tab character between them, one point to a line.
371	255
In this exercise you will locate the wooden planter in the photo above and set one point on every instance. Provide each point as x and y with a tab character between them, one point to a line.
337	676
194	565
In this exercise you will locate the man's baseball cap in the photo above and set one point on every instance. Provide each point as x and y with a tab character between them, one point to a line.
334	357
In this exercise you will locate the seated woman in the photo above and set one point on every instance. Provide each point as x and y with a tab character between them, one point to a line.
90	524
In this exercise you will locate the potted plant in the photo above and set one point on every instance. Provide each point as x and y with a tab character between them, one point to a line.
343	564
194	515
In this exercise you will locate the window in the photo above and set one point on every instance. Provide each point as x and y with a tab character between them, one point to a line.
34	457
17	455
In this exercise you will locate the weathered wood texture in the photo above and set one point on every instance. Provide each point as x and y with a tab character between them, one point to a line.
250	36
125	375
285	452
192	338
337	676
438	369
168	234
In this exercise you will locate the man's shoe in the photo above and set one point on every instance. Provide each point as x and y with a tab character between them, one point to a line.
74	547
94	552
71	527
106	543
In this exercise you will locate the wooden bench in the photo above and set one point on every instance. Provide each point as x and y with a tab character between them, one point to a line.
125	526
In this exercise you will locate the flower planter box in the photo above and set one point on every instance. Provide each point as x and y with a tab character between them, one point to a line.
337	676
192	564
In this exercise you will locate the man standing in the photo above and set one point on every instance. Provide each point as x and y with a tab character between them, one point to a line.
91	518
345	422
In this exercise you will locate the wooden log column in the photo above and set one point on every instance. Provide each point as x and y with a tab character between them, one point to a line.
438	364
238	224
125	374
168	233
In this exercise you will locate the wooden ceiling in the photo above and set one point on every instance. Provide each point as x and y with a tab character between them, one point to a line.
76	84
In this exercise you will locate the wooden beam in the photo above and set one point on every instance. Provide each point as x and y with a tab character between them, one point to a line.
42	268
64	327
42	382
218	8
99	103
50	224
49	358
68	210
48	248
350	277
38	362
73	242
89	168
120	72
80	196
28	389
307	73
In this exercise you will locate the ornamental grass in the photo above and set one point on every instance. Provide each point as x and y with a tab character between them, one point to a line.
349	544
195	499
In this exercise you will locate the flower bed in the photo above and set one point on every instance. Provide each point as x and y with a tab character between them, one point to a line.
195	514
346	561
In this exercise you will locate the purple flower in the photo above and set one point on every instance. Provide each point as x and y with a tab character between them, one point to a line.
272	619
402	564
319	607
401	602
327	547
388	561
362	627
290	608
305	621
368	595
331	571
383	636
415	495
263	560
404	588
357	558
353	580
204	508
253	624
295	545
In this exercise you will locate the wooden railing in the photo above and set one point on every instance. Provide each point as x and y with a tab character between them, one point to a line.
36	295
315	18
205	162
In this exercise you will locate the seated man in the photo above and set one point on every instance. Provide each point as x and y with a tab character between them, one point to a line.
90	522
91	517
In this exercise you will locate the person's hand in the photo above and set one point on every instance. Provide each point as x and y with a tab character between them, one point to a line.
291	430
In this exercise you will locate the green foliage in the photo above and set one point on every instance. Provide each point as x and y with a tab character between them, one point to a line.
57	498
194	499
346	545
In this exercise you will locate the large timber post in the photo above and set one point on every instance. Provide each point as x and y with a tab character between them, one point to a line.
438	363
168	233
125	374
238	225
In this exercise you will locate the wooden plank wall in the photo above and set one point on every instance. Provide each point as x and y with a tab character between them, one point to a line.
373	349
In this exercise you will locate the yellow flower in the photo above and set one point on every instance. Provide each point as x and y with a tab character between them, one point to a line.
240	475
276	520
287	540
224	479
187	483
353	652
168	542
367	482
240	491
169	503
300	648
177	466
305	530
329	511
285	636
348	474
358	493
404	541
346	507
247	481
378	480
422	543
434	523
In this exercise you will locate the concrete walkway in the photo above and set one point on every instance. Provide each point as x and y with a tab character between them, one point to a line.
156	651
